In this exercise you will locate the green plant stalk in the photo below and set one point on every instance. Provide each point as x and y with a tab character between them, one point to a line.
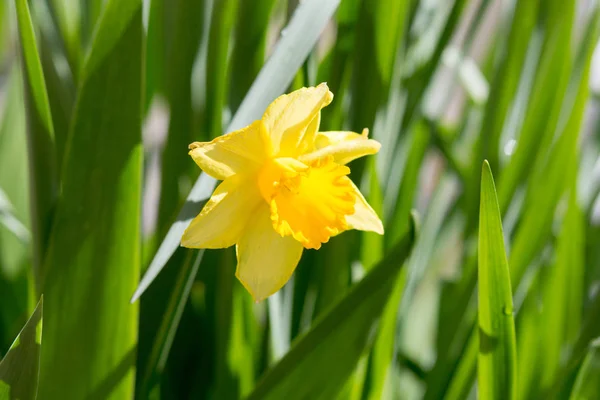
41	142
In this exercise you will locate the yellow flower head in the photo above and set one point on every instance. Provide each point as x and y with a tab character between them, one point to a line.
285	188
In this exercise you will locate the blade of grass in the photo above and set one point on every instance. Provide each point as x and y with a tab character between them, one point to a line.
170	322
418	143
496	370
549	182
248	54
391	17
543	109
42	157
336	68
563	292
590	330
182	45
15	254
223	16
61	96
418	76
20	366
587	383
301	35
337	339
93	261
506	79
67	17
531	357
13	172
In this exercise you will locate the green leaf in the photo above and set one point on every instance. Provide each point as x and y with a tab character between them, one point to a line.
587	384
67	17
13	172
544	103
320	361
248	54
428	47
10	220
181	50
391	17
563	291
301	35
216	64
552	176
93	261
418	143
496	372
20	366
170	321
506	79
42	157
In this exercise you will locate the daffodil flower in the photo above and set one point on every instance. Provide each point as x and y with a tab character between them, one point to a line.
285	188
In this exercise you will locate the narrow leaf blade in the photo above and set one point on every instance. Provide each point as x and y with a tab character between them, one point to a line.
497	345
19	368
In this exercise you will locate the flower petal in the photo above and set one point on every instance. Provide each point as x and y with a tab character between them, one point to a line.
287	118
266	260
343	146
312	205
364	217
240	151
224	217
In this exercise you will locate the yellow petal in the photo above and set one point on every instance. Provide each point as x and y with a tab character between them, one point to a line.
364	217
240	151
310	203
224	217
287	118
297	143
343	146
266	260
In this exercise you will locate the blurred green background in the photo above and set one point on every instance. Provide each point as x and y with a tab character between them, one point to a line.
477	290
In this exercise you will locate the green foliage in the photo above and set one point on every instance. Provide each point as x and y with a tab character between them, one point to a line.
496	297
496	364
19	368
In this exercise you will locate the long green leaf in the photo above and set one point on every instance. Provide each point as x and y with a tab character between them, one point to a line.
20	367
301	35
67	17
543	109
248	54
506	79
42	157
13	172
496	372
563	292
93	261
168	327
587	384
337	339
224	12
391	17
550	181
181	50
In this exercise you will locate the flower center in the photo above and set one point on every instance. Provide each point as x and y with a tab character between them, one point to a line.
308	201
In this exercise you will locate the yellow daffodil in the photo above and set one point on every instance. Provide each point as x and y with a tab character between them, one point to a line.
285	188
